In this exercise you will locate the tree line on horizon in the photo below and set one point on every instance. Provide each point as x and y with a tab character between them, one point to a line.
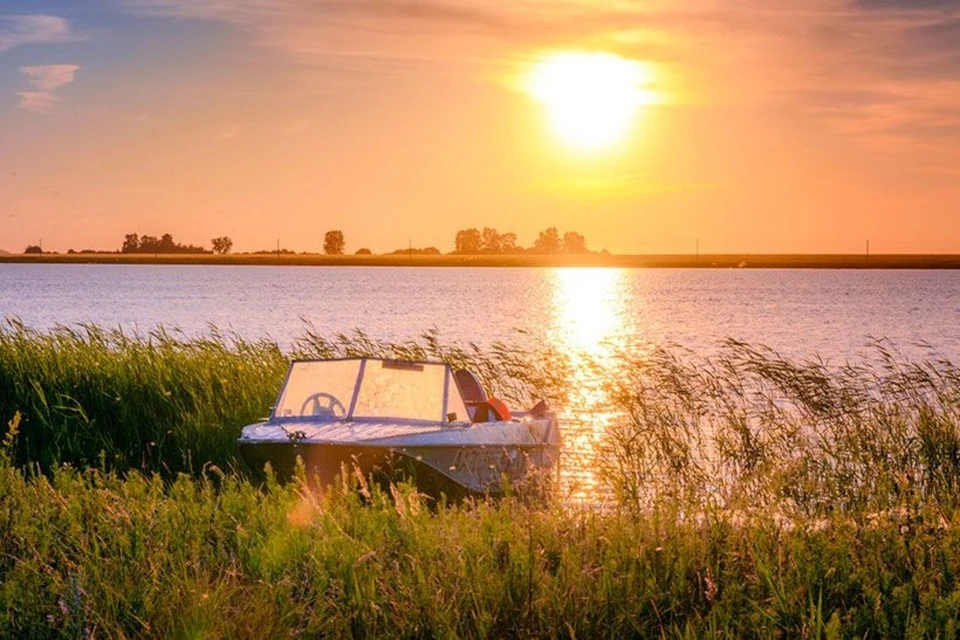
470	241
490	241
134	243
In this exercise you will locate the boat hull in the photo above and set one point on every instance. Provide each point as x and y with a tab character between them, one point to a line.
440	470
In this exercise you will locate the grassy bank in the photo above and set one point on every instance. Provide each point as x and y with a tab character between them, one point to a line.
747	495
88	554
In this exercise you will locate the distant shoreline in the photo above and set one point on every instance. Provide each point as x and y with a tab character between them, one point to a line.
676	261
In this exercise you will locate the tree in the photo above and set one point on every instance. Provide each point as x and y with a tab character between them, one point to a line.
363	251
131	243
221	245
33	248
166	244
468	241
508	242
574	242
151	244
490	239
333	243
415	251
548	241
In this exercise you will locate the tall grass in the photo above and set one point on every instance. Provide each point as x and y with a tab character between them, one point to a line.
749	430
164	402
156	402
88	554
749	495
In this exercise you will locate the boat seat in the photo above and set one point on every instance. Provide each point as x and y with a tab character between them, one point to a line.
482	408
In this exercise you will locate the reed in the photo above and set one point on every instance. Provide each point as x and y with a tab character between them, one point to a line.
748	430
164	402
156	402
747	495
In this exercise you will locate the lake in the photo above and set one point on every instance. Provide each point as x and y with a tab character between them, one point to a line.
800	313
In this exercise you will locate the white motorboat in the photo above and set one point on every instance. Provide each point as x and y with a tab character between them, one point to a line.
394	419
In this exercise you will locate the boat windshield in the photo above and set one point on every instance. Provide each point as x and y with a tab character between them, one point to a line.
371	389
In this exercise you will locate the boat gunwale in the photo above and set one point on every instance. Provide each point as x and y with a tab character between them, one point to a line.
372	423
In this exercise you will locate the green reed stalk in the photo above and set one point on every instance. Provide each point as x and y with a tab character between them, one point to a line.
89	396
749	430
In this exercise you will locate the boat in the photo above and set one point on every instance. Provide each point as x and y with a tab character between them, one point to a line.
401	419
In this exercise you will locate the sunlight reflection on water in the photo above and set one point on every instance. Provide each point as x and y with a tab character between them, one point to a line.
590	309
592	323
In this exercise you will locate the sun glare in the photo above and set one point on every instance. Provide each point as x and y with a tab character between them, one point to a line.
591	98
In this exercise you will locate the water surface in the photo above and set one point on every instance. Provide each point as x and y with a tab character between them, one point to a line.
832	313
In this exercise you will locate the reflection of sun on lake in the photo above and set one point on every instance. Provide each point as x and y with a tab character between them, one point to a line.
590	323
589	310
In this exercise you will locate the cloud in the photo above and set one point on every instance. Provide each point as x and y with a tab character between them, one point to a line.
893	69
37	101
880	72
32	29
49	77
250	11
941	36
909	5
45	80
323	29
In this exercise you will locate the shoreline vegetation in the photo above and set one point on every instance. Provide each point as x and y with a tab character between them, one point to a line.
747	495
684	261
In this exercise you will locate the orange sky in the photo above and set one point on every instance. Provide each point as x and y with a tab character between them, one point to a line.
779	127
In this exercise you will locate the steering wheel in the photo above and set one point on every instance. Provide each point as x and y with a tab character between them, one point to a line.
330	408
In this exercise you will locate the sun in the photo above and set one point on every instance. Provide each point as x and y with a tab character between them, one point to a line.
591	98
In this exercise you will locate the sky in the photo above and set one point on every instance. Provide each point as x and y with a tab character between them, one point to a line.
808	126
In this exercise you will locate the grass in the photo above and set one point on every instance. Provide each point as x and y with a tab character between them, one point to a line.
749	430
157	402
747	496
87	553
161	402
